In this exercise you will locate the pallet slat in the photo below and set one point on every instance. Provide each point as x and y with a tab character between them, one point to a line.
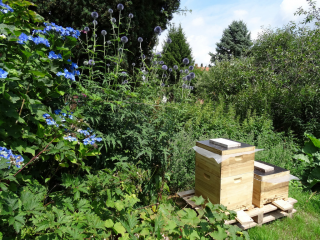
267	213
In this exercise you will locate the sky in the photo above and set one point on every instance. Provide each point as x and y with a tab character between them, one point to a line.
204	26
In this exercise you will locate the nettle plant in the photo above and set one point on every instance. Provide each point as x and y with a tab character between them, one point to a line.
110	75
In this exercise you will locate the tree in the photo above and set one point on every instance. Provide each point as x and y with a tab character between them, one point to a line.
175	52
147	15
236	39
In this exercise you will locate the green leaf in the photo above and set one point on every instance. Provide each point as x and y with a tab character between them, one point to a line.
198	200
194	235
38	73
31	150
309	148
302	157
219	235
315	141
108	223
119	228
119	205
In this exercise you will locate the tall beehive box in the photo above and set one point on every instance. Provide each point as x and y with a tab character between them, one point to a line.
226	176
270	183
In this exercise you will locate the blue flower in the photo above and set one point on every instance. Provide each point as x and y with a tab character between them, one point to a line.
113	20
91	62
94	15
164	67
158	54
181	71
60	74
70	139
124	39
110	11
175	67
158	30
185	61
140	39
23	38
120	7
104	32
191	68
8	8
74	66
133	64
3	73
170	69
192	75
69	75
91	140
87	29
162	84
52	55
186	71
169	40
130	15
95	22
188	77
58	111
124	82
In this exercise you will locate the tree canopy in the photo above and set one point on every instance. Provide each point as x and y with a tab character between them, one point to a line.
146	16
235	40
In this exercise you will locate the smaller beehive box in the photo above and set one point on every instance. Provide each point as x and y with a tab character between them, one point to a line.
268	183
230	182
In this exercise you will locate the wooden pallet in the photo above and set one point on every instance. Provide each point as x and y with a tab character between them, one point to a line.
254	216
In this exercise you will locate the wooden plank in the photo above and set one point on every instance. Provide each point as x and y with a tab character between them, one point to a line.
263	167
186	193
223	151
236	169
246	226
271	176
243	218
225	142
242	158
208	164
283	205
274	215
292	201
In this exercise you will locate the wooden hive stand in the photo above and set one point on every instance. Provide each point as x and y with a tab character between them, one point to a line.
255	216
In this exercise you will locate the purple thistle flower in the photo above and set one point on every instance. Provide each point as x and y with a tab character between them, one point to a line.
120	7
192	75
164	67
184	78
124	82
170	69
162	84
158	54
143	56
113	20
161	62
186	71
185	61
87	29
133	64
191	68
91	62
124	39
164	75
140	39
169	40
130	15
175	67
94	15
104	32
181	71
110	11
158	30
95	22
188	77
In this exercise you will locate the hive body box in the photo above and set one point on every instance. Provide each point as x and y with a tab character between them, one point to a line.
229	183
266	192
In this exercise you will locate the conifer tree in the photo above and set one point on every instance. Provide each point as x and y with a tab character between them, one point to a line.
177	50
235	40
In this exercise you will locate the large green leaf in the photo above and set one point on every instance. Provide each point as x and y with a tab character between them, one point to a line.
119	229
220	234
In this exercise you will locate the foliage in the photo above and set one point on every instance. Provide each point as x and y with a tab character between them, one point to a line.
310	158
234	42
103	205
145	18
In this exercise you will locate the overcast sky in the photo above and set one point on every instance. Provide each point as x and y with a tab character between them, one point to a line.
204	26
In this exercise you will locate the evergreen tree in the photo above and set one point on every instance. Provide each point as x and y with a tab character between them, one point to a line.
177	50
235	40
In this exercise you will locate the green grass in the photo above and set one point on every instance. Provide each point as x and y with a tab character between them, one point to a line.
305	224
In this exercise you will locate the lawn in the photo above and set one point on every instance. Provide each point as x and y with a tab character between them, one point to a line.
305	223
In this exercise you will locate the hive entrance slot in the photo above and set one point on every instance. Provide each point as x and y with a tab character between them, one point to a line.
237	180
238	158
206	176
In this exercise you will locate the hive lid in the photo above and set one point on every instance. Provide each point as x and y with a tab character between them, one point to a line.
277	172
221	150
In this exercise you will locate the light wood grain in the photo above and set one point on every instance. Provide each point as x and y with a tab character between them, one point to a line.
237	168
263	167
225	152
225	142
243	218
271	176
283	205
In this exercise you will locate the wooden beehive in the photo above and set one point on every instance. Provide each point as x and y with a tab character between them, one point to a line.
229	183
267	192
